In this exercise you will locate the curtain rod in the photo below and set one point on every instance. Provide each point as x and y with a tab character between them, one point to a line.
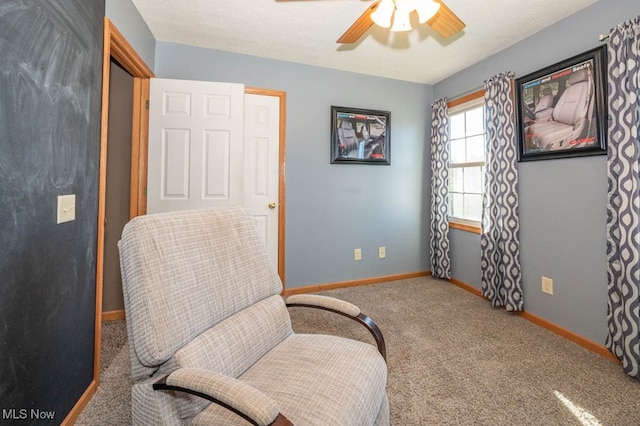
470	94
603	37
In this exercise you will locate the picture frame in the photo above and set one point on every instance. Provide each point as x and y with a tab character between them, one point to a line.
561	110
360	136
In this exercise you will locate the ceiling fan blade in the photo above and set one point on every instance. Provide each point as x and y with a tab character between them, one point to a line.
445	22
360	26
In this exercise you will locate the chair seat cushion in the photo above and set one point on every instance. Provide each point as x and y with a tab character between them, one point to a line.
549	133
232	346
316	380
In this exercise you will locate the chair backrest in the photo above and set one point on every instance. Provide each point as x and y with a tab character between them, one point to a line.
573	104
183	273
347	135
545	101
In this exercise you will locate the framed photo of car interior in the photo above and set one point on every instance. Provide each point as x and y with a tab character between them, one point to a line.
360	136
561	109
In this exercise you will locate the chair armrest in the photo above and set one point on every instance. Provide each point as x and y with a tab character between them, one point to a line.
341	307
233	394
324	302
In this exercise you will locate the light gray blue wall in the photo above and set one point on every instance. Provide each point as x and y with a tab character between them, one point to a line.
127	19
465	256
332	209
562	202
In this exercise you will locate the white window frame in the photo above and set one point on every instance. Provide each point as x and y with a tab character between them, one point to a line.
456	222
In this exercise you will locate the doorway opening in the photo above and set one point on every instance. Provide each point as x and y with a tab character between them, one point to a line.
118	51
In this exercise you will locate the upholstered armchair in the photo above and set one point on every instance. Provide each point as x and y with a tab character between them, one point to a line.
210	336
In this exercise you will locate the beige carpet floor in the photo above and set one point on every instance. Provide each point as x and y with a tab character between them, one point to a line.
453	360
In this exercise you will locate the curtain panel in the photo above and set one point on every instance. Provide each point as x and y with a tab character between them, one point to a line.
440	155
623	207
499	240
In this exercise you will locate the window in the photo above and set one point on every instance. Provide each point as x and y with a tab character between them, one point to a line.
466	166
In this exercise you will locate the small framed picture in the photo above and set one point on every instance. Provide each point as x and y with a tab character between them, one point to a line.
561	109
360	136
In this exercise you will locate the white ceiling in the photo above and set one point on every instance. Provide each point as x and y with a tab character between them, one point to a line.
305	31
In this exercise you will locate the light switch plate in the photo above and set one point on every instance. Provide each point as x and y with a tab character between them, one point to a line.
547	285
66	208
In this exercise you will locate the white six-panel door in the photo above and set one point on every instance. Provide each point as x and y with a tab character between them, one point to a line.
212	146
261	162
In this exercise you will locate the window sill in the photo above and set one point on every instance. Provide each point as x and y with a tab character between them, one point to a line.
465	225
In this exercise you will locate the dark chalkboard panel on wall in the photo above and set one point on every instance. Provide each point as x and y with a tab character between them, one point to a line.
50	94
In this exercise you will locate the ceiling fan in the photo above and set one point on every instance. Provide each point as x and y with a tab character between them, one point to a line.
395	15
383	12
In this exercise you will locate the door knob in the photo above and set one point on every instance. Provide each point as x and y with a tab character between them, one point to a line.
272	205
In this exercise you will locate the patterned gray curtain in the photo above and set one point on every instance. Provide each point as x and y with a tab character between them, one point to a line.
440	262
499	241
623	208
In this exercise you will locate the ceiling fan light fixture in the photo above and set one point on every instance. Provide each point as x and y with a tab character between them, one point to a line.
401	20
383	13
426	10
396	15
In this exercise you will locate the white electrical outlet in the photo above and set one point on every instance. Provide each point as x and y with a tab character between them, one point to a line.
382	252
547	285
357	254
